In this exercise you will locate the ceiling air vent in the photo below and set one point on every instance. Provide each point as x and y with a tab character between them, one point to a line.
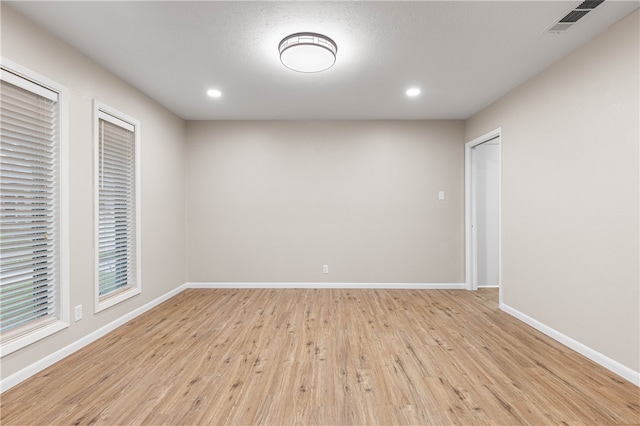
573	15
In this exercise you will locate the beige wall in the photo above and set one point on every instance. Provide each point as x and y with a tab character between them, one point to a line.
570	201
274	201
162	167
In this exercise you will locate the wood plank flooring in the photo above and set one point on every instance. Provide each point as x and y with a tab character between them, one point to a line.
324	357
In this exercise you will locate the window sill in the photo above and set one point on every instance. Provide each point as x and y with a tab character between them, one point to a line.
33	336
109	301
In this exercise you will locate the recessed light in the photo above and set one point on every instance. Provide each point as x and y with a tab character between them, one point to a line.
214	93
414	91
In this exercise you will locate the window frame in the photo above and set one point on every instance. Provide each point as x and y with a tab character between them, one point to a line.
100	110
62	306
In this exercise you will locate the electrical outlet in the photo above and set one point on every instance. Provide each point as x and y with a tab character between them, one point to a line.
78	312
325	269
441	195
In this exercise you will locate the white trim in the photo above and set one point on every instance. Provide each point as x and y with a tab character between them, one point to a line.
471	266
108	302
64	209
43	84
119	118
32	336
391	286
51	359
595	356
105	112
36	83
28	84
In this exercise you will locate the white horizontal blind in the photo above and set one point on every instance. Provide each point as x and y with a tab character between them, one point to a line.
116	200
29	163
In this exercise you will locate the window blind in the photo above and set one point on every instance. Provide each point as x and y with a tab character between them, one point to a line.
29	217
116	200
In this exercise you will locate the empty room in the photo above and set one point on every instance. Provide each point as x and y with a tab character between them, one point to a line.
320	213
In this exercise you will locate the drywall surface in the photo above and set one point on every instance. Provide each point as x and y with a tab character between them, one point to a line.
162	154
274	201
570	193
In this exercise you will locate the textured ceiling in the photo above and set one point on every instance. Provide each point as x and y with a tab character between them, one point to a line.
463	55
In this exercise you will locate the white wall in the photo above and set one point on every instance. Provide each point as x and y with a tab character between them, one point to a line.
274	201
162	182
570	194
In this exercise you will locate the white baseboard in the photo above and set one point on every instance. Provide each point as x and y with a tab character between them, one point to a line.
398	286
51	359
595	356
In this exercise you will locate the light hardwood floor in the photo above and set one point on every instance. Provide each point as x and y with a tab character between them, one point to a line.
330	357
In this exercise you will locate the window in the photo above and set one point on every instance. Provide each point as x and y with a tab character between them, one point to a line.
117	207
33	241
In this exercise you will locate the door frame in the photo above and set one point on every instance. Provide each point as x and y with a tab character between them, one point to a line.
470	234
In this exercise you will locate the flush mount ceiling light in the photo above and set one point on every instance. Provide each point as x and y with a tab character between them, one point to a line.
414	91
307	52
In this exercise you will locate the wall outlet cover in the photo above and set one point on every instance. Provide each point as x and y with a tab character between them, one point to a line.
78	312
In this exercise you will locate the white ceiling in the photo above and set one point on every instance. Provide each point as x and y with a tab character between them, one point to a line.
463	55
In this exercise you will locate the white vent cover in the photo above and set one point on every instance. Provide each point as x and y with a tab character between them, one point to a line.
573	15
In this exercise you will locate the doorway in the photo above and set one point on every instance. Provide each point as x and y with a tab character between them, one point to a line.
482	211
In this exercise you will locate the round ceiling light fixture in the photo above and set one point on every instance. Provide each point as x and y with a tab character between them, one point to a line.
307	52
